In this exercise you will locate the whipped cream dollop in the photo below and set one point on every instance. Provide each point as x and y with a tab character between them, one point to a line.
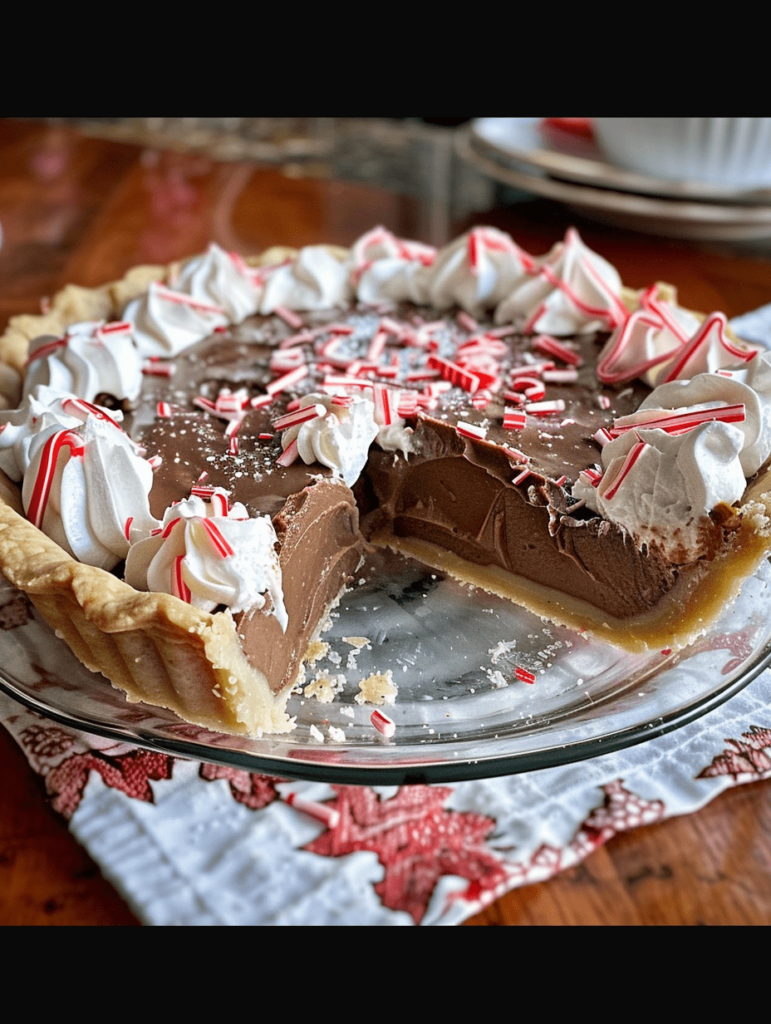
477	271
384	267
42	411
220	279
339	437
661	341
86	488
315	279
210	554
571	290
660	487
747	385
659	483
167	321
93	358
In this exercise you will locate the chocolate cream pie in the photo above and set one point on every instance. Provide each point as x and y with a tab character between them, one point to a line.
196	459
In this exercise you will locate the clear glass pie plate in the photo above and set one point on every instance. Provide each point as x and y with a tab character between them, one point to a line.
451	653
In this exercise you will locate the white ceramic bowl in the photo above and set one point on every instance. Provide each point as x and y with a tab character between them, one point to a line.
732	151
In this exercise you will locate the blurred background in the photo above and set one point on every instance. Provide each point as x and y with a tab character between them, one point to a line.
704	180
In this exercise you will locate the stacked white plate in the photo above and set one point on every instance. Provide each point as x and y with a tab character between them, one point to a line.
528	154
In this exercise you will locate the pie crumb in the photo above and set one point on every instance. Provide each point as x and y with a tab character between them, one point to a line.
379	688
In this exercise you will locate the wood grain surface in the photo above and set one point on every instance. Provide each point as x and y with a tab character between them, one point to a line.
80	209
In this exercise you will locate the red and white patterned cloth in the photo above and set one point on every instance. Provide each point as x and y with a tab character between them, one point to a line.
196	844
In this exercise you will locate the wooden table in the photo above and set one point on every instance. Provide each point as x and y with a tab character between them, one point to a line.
81	209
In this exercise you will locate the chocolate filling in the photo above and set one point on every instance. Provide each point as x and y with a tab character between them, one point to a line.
454	491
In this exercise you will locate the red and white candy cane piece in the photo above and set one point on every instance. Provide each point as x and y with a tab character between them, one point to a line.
524	675
545	408
416	376
530	369
408	404
231	433
385	404
220	503
117	327
602	436
220	544
716	322
679	422
377	345
533	388
521	477
482	398
327	815
632	457
199	491
166	531
591	475
454	373
179	588
82	409
514	419
567	376
46	350
47	470
471	430
181	299
464	319
384	725
286	359
289	455
551	347
155	462
204	403
483	344
164	410
127	528
301	338
153	368
287	380
299	416
289	317
229	403
260	401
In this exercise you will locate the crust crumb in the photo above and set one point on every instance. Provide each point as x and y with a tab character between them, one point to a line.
379	688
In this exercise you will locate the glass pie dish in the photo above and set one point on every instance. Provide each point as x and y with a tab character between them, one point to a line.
475	686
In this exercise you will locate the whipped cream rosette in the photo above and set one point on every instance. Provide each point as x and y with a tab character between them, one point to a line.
86	487
42	410
746	388
167	321
477	271
91	359
384	267
220	279
209	553
660	487
571	290
315	279
337	432
690	447
660	341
